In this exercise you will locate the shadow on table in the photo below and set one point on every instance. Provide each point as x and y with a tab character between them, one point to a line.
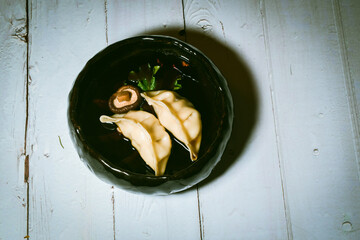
241	85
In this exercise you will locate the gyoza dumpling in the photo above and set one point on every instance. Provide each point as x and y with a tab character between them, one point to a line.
147	135
179	116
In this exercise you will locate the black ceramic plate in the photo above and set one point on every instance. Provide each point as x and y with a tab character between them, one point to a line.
108	154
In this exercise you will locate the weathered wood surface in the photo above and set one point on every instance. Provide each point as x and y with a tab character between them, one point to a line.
66	201
291	169
247	196
347	14
312	116
13	72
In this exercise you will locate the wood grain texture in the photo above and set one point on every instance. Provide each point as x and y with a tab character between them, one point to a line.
12	119
243	198
290	171
132	18
66	200
312	116
156	217
347	15
144	216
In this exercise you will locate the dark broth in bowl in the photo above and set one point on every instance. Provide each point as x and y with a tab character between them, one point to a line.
116	149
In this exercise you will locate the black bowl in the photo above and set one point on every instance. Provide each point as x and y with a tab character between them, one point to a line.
202	84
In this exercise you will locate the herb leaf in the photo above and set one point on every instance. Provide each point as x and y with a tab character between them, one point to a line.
144	78
155	69
152	83
177	85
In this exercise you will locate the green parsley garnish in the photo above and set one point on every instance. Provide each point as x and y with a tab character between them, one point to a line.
145	77
177	85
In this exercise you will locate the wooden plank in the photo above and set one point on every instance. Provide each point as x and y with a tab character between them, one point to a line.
144	216
156	217
312	117
347	14
66	200
243	198
13	47
127	19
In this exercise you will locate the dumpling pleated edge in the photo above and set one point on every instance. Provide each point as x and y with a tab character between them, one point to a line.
178	116
139	126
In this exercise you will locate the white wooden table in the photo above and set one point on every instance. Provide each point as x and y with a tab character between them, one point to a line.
291	169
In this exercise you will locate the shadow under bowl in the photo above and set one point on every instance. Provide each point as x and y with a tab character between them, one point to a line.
110	156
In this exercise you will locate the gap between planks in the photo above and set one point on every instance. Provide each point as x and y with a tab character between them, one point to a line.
106	23
113	205
201	228
27	82
264	22
184	23
349	82
199	213
112	187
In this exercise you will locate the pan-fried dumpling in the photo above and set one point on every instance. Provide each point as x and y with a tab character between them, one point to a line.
147	135
179	116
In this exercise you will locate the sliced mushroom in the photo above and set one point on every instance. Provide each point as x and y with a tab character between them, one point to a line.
125	99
